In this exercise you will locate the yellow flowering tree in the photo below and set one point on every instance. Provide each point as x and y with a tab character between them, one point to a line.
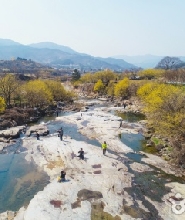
151	73
121	88
110	88
105	76
164	106
37	93
57	90
99	86
2	105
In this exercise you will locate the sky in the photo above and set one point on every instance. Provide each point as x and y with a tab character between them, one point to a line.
101	28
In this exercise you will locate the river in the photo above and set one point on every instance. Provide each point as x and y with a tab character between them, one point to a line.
21	180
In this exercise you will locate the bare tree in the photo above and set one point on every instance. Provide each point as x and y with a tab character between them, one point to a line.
175	76
169	63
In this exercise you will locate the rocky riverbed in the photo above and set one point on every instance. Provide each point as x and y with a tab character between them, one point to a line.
112	187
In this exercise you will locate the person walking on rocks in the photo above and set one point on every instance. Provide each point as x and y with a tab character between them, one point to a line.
38	136
60	133
104	147
81	154
57	112
62	176
120	124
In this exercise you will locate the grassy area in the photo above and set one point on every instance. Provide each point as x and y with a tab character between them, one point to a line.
157	140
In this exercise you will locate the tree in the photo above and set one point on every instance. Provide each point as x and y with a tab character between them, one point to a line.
133	87
164	106
57	90
175	76
169	63
70	95
110	88
99	86
151	73
121	88
88	78
145	90
18	95
105	76
76	75
8	85
2	105
37	93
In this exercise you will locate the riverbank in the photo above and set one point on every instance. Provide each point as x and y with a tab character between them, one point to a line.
112	186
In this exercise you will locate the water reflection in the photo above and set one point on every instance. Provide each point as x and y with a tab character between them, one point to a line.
137	142
20	180
134	141
130	116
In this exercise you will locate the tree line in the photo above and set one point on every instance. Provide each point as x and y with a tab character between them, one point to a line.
38	92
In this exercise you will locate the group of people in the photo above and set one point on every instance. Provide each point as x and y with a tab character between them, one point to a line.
63	173
81	156
81	152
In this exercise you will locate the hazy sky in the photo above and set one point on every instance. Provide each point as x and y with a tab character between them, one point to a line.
98	27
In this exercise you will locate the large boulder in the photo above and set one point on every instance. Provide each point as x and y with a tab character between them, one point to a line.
11	133
4	140
41	129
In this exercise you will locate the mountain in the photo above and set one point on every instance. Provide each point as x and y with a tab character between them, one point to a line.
118	62
182	58
59	56
87	62
51	45
7	42
145	61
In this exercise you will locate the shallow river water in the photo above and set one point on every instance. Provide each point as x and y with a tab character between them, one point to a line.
21	180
